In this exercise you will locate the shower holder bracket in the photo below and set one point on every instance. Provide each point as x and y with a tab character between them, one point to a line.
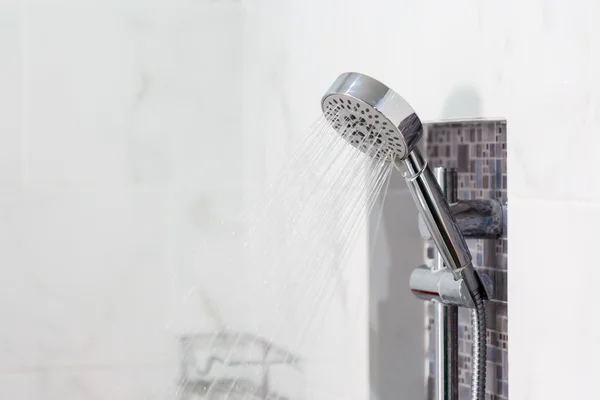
476	219
442	286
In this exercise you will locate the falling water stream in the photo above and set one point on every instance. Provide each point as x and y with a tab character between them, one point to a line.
297	241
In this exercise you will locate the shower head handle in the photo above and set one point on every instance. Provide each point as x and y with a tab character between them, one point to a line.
435	211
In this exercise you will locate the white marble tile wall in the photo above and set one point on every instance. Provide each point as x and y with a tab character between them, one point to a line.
121	148
120	180
532	63
11	98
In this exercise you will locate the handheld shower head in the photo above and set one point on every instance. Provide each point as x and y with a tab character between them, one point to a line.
371	116
377	121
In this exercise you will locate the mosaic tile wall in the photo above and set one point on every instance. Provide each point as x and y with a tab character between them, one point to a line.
477	150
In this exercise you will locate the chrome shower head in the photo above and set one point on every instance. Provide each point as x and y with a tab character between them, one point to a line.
377	121
371	116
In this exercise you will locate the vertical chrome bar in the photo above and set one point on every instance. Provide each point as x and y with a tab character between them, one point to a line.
446	317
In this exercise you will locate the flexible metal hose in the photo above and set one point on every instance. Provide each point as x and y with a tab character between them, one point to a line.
479	348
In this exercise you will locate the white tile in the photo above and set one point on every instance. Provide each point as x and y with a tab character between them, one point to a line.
89	280
10	4
81	84
207	255
16	345
133	95
141	4
11	70
18	386
555	117
191	60
551	286
120	383
290	382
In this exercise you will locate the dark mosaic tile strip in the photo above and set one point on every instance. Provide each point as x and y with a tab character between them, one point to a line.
477	149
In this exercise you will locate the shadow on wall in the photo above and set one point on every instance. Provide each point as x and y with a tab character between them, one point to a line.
397	342
463	102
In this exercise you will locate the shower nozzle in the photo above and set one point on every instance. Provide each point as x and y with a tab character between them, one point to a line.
371	116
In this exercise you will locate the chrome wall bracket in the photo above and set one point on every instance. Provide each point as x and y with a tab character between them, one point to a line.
477	219
440	285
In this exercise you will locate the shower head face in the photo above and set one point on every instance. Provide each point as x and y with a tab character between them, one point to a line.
372	117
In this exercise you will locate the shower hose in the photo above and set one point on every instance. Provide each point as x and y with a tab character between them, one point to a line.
479	347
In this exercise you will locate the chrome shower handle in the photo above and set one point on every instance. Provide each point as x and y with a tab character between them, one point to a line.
435	211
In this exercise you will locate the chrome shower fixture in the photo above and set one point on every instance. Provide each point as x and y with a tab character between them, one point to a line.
376	120
379	122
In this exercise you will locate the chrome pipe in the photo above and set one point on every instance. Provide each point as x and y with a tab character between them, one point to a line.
446	316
